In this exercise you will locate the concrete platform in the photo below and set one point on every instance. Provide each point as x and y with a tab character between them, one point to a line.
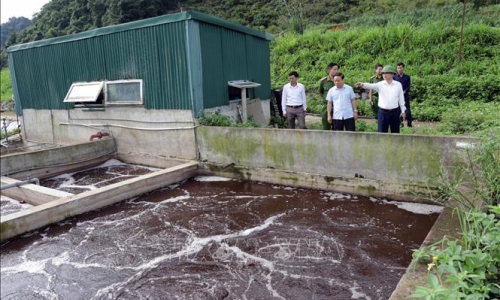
31	193
69	206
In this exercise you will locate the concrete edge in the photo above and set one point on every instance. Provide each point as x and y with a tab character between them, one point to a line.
40	216
48	172
150	160
413	192
447	224
31	193
54	161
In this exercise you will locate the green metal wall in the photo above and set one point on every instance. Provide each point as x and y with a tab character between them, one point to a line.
259	65
185	61
156	54
232	55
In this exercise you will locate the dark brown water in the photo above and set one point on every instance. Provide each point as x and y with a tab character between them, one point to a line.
220	240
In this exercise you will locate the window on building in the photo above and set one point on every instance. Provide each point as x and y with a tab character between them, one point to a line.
124	92
85	92
105	93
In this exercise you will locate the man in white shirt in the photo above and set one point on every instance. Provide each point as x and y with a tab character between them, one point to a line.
342	98
293	102
391	100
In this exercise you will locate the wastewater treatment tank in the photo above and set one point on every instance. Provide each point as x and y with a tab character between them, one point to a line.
217	238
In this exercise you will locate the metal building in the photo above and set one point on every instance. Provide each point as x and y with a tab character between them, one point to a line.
181	61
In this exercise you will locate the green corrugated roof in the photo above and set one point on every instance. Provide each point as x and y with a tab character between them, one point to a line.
144	23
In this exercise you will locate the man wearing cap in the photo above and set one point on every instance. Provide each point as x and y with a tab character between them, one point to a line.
391	100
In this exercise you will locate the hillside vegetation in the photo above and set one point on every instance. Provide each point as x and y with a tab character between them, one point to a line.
61	17
427	41
5	85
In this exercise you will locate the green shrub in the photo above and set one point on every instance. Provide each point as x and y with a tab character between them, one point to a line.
364	108
432	109
470	117
215	119
218	119
363	126
278	122
5	85
315	104
249	123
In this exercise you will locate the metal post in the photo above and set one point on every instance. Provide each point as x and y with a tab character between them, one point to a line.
4	126
18	184
244	104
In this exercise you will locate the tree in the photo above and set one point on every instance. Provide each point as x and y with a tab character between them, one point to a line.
14	25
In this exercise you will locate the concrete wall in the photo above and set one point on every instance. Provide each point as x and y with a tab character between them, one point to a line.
57	210
51	162
137	131
396	163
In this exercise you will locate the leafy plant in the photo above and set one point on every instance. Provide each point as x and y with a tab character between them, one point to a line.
470	117
249	123
315	104
465	268
215	119
366	127
218	119
468	267
278	122
364	108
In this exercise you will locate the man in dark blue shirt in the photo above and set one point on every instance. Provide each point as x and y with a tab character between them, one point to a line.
405	81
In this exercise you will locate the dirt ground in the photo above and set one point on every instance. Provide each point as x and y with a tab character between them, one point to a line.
314	121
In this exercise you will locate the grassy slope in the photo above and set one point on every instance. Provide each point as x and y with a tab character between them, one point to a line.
427	43
5	85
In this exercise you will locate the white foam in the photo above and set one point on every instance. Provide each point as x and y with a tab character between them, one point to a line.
416	208
12	206
464	145
356	294
252	197
333	196
15	202
110	163
176	199
211	178
419	208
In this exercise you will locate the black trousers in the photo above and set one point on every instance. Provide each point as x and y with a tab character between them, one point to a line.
409	119
388	118
344	124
